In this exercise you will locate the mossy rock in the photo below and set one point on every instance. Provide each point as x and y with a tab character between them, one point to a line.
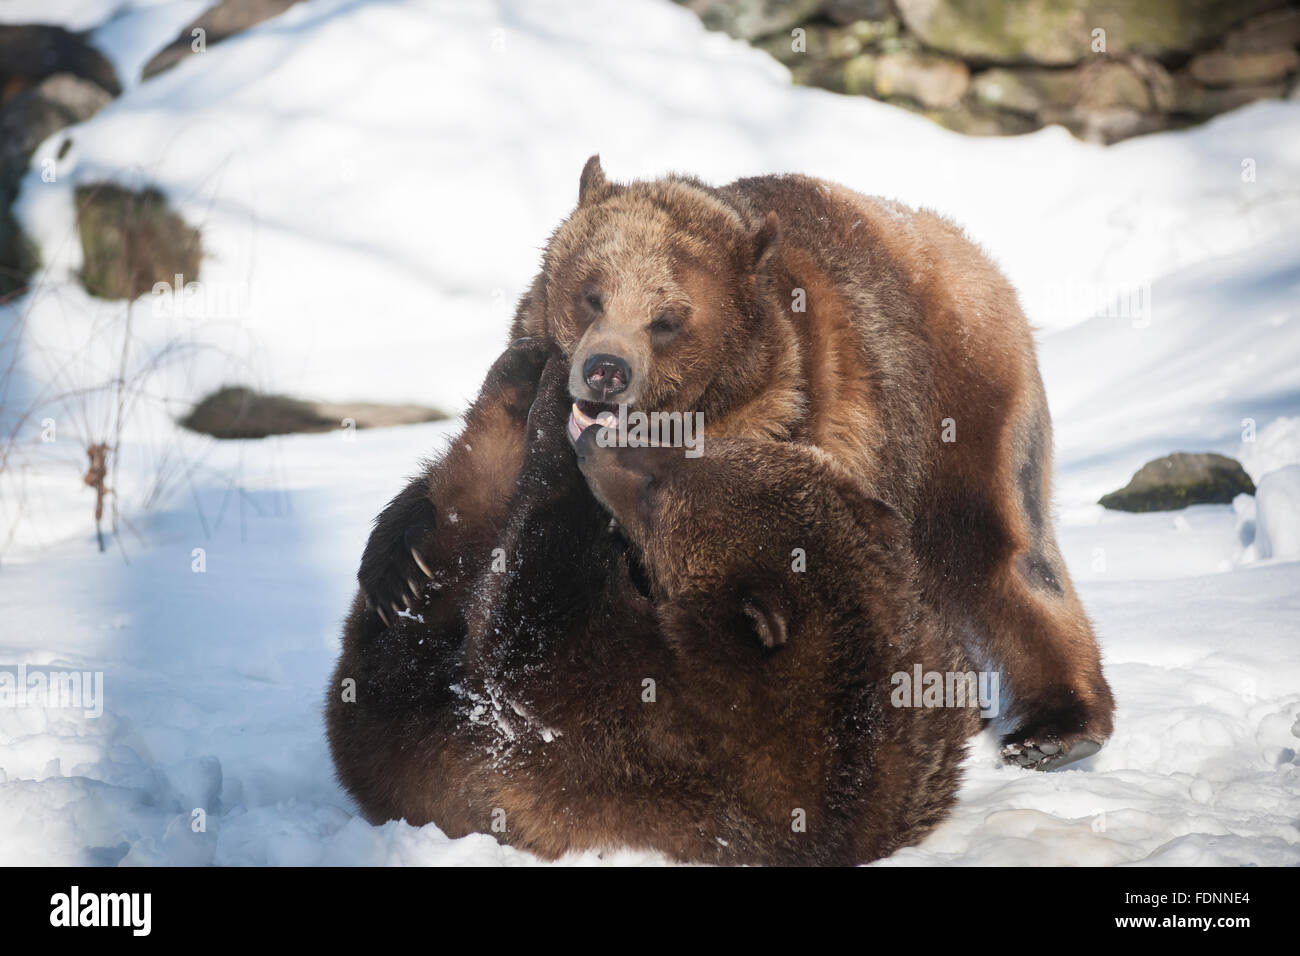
218	23
855	11
753	19
34	114
1192	99
1025	91
19	259
936	82
132	240
239	412
1182	479
975	120
1059	32
1220	68
29	52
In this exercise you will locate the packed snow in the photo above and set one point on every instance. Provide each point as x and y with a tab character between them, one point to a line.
373	183
1277	515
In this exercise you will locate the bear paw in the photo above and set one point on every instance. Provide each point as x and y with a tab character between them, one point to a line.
397	583
1047	751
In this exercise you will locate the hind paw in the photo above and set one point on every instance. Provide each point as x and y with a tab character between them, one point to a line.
1047	751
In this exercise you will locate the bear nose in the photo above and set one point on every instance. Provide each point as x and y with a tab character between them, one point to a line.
606	375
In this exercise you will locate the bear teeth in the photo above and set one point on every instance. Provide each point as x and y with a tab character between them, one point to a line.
580	421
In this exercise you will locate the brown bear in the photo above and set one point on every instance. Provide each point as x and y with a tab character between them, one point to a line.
787	308
677	683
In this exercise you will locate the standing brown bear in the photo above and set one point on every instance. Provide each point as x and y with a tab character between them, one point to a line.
790	309
677	683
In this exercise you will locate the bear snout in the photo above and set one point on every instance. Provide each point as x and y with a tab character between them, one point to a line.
606	375
619	479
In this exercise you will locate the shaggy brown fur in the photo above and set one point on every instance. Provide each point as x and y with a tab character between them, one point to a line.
717	705
907	331
395	672
907	335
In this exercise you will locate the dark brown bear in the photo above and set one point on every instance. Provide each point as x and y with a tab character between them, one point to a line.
787	308
694	693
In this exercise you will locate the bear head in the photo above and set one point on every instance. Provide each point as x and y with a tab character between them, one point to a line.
775	532
654	291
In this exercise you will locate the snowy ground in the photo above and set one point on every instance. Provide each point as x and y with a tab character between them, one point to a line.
373	182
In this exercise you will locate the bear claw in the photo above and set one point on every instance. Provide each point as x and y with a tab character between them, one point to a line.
1048	753
420	563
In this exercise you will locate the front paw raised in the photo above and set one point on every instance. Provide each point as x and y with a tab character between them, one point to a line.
511	383
395	570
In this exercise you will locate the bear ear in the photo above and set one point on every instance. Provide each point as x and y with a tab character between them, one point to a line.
592	182
877	513
767	620
764	240
883	520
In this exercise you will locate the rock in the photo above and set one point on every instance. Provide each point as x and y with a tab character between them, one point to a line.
237	412
874	31
849	11
1105	126
1275	30
27	120
1112	86
1182	479
859	75
380	414
1025	91
988	67
822	74
1243	69
1192	99
217	23
132	240
30	52
19	257
752	19
1059	32
38	112
933	81
1158	80
976	121
1091	88
820	45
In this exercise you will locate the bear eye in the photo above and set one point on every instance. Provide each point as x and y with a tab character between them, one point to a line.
649	485
591	298
665	324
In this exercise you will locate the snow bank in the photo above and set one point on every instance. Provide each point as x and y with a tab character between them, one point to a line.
1277	515
1274	446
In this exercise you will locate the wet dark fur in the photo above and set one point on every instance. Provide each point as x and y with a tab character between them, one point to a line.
533	713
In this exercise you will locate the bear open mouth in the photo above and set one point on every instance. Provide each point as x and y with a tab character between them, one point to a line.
585	414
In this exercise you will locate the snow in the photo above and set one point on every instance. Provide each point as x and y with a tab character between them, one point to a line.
1277	515
70	14
1273	447
373	183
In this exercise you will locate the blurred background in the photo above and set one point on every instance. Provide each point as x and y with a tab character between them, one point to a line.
256	255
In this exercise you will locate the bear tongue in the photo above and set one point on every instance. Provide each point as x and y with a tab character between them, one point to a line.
580	421
575	429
